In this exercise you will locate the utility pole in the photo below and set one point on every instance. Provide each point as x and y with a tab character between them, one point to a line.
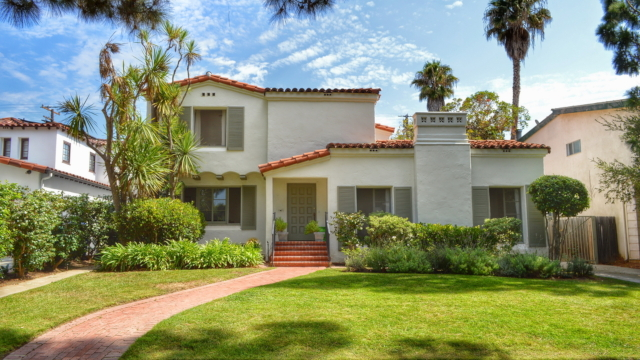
53	113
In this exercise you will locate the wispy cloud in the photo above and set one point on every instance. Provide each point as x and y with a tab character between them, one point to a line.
455	4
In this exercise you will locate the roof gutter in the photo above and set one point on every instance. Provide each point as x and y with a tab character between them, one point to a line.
49	175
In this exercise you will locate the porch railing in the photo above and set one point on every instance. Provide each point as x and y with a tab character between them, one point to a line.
328	235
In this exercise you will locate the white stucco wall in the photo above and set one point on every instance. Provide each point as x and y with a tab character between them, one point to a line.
19	176
596	142
217	159
79	160
42	144
297	127
71	187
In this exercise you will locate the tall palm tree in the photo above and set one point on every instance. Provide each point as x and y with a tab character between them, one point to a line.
516	24
436	83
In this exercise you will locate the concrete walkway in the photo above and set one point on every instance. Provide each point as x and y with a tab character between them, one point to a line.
108	333
617	272
36	283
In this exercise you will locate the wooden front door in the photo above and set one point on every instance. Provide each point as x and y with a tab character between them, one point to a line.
301	208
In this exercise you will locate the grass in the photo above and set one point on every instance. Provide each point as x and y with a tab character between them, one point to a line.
25	315
337	315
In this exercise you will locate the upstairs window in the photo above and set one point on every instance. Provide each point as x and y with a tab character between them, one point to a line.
6	147
92	162
573	148
66	152
24	149
211	127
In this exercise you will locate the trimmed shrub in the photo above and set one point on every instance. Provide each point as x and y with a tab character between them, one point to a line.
403	259
429	236
91	222
470	261
528	265
9	193
356	259
388	230
159	220
346	227
578	267
502	233
179	255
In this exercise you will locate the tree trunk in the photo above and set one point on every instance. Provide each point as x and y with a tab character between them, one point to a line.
516	98
435	104
554	249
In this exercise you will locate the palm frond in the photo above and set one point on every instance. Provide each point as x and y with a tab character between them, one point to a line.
79	116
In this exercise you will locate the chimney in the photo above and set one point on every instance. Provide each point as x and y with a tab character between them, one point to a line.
442	168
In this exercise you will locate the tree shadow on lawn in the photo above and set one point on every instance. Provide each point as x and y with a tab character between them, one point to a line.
429	348
273	340
455	284
9	338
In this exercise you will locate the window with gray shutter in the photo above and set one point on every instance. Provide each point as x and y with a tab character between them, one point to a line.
186	116
347	199
403	202
536	225
480	204
235	128
249	208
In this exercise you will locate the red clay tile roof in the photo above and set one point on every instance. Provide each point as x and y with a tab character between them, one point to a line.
45	169
380	144
505	144
293	160
385	127
11	122
241	85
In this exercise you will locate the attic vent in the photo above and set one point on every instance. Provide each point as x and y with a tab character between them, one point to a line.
441	119
327	94
433	119
459	119
450	120
423	119
208	94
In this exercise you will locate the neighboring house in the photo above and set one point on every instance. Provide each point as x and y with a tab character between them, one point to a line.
578	138
43	155
302	154
384	132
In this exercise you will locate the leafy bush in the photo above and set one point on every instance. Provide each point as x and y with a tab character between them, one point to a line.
178	255
404	259
281	225
578	267
346	227
91	221
528	265
9	193
252	242
356	259
312	227
159	220
470	261
502	233
388	230
430	236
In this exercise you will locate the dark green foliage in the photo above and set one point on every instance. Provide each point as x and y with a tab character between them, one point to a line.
346	227
578	267
619	32
388	230
529	266
159	220
177	255
9	193
393	259
470	261
496	235
502	233
356	259
312	227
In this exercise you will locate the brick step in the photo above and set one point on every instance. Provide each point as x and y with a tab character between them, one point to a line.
295	252
300	263
302	248
277	258
300	243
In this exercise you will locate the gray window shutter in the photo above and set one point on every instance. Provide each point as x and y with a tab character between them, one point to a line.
535	222
249	208
347	199
403	202
186	116
480	204
235	128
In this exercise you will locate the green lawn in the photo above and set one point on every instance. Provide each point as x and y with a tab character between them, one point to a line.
336	315
25	315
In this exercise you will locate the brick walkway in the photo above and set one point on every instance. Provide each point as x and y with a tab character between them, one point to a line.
108	333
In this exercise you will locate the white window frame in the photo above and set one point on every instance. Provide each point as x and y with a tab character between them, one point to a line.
219	223
574	147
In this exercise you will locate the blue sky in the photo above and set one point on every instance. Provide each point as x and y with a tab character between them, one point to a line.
362	43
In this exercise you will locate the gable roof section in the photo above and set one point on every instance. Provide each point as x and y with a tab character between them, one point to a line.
293	160
614	104
245	86
46	170
385	127
11	122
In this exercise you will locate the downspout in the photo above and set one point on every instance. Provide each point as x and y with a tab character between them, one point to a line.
43	178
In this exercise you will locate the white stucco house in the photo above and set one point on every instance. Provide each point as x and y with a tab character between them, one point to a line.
42	155
301	154
579	136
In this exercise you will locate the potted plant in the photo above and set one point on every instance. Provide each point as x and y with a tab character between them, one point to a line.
281	226
312	227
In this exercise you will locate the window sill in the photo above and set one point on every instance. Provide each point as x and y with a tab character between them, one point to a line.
222	227
213	148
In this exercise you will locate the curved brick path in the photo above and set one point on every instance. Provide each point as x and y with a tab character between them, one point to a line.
108	333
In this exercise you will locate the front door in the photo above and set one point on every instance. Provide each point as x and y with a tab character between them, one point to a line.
301	208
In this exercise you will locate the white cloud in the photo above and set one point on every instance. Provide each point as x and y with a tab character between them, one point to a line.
251	73
300	56
371	3
323	62
294	42
454	5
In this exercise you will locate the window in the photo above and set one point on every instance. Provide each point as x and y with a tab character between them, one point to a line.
24	149
66	152
211	127
574	148
218	205
504	202
373	200
6	147
92	162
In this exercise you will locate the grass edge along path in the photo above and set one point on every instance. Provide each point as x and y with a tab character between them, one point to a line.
26	315
337	315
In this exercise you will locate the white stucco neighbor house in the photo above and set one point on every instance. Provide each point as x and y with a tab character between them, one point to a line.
43	156
579	136
301	154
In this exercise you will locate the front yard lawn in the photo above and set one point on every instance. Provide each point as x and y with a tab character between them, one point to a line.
25	315
336	315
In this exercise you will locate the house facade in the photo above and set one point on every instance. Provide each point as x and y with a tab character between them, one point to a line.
44	156
579	137
302	154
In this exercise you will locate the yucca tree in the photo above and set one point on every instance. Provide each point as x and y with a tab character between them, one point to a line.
515	24
435	82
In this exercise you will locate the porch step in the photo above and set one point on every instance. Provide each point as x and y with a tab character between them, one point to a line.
300	253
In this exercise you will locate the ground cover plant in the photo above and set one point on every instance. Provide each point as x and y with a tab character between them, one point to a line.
25	315
340	315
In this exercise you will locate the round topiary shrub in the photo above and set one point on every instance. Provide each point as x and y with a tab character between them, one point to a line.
159	220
